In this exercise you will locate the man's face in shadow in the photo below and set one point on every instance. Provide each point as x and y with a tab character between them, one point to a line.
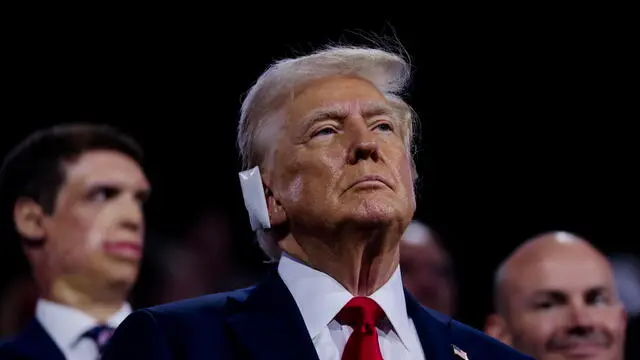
427	272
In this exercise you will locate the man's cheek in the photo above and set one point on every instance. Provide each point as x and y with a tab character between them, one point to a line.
96	227
74	258
94	240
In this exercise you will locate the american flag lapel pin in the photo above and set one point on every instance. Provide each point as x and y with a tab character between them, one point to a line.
459	353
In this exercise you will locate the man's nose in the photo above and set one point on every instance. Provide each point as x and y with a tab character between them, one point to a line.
363	144
580	316
131	215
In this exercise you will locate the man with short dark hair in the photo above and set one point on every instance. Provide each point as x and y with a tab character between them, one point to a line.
75	194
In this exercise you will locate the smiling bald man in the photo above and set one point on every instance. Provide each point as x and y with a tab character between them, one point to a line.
555	299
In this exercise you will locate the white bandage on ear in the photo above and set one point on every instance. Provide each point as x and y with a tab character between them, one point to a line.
254	199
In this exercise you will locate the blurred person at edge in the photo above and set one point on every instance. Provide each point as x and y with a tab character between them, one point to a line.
426	267
76	194
556	299
626	270
326	140
202	261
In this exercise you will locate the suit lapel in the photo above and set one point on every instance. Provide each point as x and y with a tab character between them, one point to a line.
35	343
269	325
433	330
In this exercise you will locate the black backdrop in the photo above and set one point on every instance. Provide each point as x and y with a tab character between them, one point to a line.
527	117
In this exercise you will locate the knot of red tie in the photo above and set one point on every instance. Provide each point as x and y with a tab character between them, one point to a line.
362	314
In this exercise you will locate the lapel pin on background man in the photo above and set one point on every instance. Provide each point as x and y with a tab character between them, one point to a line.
75	193
328	181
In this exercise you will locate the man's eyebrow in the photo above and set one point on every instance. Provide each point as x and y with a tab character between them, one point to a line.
551	293
376	108
114	186
341	111
326	112
597	290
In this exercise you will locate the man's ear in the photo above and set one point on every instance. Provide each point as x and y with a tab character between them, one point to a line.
624	315
496	327
277	214
28	218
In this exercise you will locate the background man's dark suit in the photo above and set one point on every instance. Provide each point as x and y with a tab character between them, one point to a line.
32	343
263	322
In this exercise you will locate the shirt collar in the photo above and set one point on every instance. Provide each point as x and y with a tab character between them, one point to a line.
66	325
320	297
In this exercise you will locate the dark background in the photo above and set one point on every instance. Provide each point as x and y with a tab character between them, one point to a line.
528	118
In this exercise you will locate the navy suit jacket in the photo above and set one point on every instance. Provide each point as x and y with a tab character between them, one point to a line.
33	343
263	322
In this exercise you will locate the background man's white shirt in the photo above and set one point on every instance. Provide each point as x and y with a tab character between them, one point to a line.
66	325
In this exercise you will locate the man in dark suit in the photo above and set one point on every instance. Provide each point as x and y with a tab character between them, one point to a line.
75	194
556	299
329	186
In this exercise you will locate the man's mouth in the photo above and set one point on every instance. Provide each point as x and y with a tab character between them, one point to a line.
370	182
125	249
582	349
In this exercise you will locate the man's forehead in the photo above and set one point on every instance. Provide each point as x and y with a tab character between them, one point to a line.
335	90
107	168
569	275
361	106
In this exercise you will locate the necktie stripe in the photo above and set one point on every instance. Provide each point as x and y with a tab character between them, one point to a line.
100	335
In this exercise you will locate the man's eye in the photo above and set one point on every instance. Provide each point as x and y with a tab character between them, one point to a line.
99	196
543	305
324	131
102	194
599	299
142	198
384	127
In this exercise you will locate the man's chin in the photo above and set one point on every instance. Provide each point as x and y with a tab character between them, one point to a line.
120	273
377	217
375	211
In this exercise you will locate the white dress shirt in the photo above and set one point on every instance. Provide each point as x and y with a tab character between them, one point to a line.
66	325
320	298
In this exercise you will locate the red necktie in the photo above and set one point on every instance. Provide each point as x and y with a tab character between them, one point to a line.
362	314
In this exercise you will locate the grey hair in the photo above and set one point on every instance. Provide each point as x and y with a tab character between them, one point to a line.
263	107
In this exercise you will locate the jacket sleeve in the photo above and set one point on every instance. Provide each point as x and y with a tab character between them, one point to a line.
138	337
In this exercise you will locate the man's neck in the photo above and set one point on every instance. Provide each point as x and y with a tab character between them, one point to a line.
101	305
362	265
